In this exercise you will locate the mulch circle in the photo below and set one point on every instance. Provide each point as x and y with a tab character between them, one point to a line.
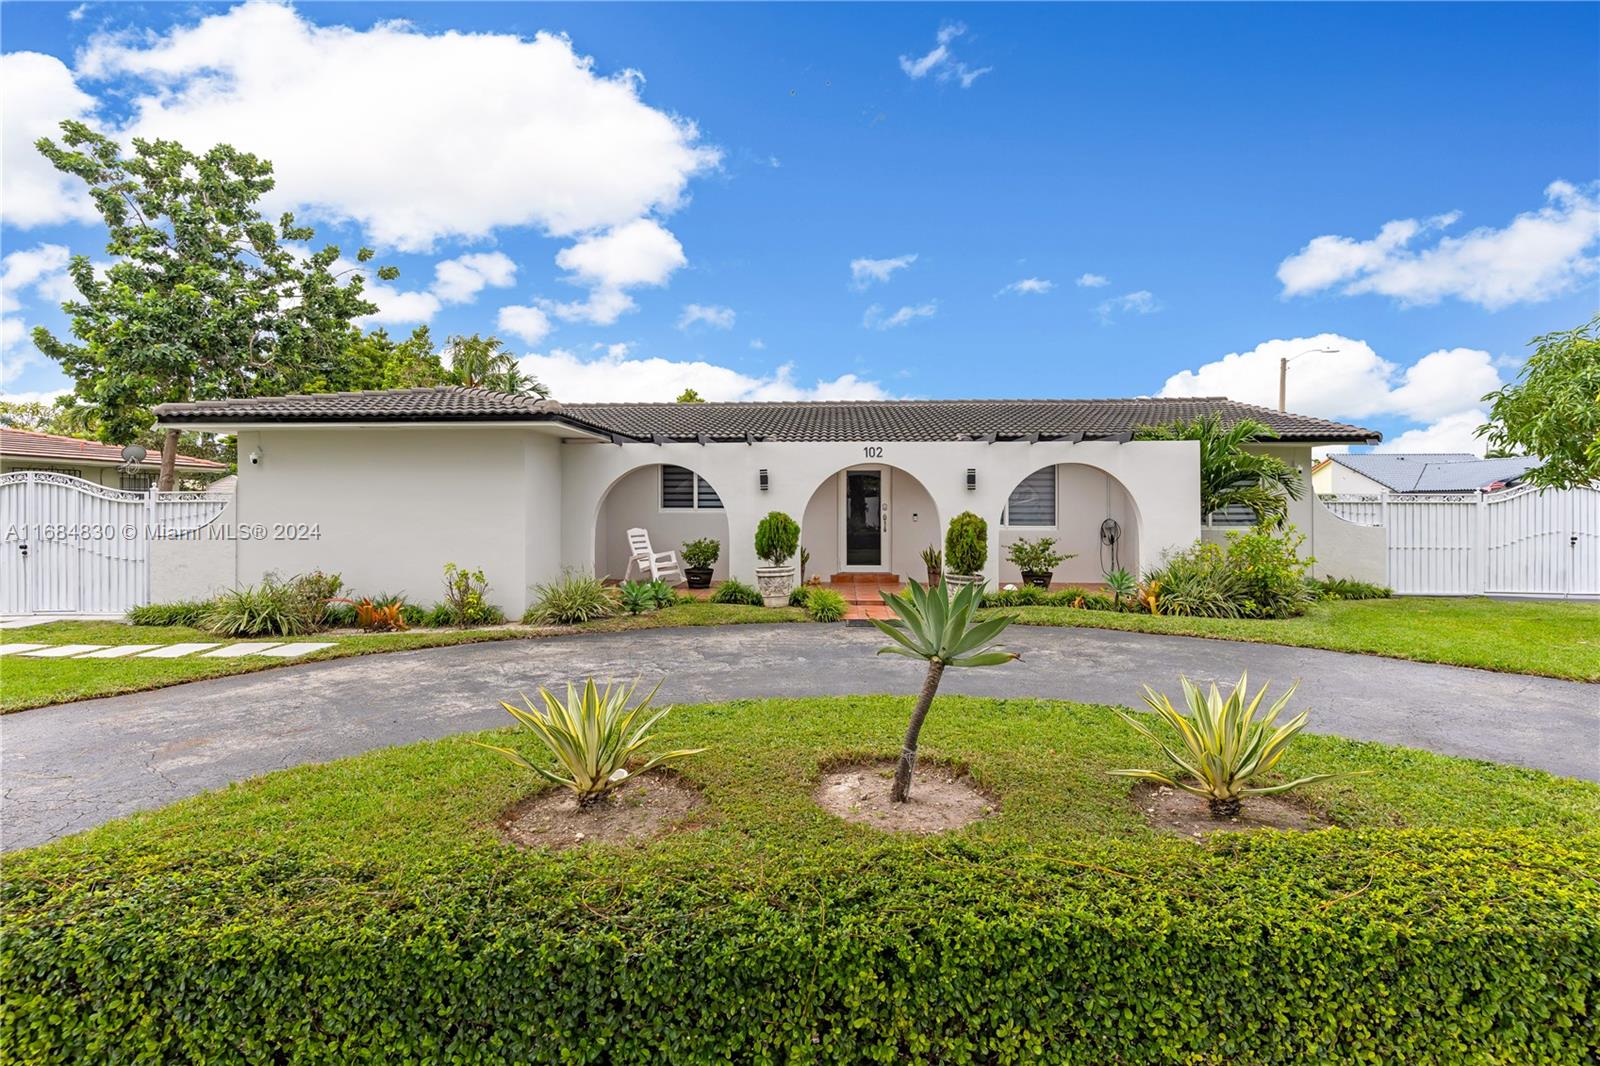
639	810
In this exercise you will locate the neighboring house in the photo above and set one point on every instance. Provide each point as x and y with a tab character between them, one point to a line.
386	487
102	464
1441	472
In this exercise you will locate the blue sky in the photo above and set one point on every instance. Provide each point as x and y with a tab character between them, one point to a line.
900	200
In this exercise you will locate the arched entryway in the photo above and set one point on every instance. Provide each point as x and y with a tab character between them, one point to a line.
1071	503
869	519
674	504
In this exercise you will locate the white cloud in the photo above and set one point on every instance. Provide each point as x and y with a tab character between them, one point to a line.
47	396
1453	433
1142	302
1443	388
1537	256
641	252
491	130
613	375
758	344
528	323
40	93
876	319
863	272
1028	285
941	62
459	280
715	317
1092	281
42	267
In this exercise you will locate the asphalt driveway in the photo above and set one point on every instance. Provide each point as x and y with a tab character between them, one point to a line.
74	766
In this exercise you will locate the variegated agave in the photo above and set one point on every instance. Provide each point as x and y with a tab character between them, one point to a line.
593	736
937	628
1223	745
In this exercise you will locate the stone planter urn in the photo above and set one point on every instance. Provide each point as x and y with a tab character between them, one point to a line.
775	583
957	582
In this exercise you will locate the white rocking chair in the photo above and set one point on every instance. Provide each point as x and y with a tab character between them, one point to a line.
649	561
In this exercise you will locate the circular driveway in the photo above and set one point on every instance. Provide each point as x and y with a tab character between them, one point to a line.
76	765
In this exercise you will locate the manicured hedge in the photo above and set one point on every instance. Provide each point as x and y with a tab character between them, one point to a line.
778	934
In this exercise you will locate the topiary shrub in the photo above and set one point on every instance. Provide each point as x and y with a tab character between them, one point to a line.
966	544
736	592
777	538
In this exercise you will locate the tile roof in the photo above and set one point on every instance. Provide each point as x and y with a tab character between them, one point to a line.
27	444
838	420
1434	471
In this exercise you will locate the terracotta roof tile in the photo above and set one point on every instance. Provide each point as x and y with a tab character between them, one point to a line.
27	444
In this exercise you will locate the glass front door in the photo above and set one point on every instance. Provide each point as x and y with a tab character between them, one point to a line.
863	518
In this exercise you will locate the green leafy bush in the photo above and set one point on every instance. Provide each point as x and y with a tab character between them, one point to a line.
662	594
966	544
1036	556
574	598
636	597
1346	588
184	613
777	538
737	592
824	604
798	594
317	591
1022	596
466	601
701	554
1197	583
1268	572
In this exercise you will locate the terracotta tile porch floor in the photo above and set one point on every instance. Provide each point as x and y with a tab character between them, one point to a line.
860	592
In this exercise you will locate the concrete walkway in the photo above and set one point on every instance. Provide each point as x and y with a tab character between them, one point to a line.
73	766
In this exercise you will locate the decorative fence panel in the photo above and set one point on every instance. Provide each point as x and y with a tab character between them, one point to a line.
71	546
1520	541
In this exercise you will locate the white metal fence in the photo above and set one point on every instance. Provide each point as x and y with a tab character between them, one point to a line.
1520	541
71	546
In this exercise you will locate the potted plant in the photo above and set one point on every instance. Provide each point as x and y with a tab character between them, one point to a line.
966	550
933	559
777	540
699	556
1037	559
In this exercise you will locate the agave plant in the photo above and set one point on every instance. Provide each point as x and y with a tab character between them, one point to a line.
1223	744
1122	584
593	736
937	628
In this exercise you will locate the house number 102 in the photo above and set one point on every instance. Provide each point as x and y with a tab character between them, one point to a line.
873	451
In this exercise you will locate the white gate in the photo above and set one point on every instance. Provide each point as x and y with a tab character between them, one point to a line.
1520	541
73	547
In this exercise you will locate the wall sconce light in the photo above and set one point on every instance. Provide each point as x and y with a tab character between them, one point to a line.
764	481
972	479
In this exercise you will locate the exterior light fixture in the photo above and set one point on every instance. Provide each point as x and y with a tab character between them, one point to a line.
972	479
764	480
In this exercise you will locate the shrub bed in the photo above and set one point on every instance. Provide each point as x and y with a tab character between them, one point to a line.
363	911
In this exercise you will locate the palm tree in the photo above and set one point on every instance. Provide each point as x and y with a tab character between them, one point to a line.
483	363
939	630
1231	476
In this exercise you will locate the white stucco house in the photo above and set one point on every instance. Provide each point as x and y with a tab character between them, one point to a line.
386	487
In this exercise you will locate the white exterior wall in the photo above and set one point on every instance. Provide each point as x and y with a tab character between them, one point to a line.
1085	497
198	565
393	505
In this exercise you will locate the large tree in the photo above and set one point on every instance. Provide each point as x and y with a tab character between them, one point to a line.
1552	410
1230	476
205	298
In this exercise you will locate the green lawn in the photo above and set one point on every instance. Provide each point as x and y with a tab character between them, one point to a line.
1555	639
365	911
26	682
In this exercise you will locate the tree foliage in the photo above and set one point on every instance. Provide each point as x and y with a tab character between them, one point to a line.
484	363
205	298
1552	410
690	396
1231	476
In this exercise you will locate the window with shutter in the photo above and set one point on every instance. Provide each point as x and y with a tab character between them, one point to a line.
1234	515
684	490
707	500
1033	501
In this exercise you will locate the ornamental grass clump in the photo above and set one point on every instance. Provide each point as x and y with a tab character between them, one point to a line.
937	628
1222	745
574	598
594	734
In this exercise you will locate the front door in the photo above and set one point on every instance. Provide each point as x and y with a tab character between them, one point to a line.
864	506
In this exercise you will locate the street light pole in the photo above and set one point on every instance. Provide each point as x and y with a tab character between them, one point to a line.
1283	374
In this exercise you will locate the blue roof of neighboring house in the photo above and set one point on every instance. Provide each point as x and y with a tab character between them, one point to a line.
1434	471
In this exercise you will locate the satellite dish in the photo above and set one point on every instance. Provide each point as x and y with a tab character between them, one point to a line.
132	456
